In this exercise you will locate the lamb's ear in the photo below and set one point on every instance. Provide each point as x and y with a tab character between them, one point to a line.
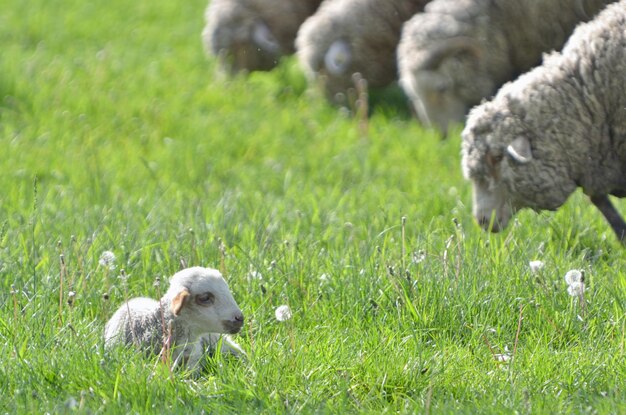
179	301
520	150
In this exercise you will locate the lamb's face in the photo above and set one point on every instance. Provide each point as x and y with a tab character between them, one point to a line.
201	298
499	160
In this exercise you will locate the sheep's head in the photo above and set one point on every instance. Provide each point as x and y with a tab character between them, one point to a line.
201	298
241	40
506	163
446	67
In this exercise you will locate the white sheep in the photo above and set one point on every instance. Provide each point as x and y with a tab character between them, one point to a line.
196	311
460	51
353	36
558	127
250	35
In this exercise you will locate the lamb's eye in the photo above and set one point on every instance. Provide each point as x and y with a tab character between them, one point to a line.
205	299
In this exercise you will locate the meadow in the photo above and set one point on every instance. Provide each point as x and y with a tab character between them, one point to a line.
118	134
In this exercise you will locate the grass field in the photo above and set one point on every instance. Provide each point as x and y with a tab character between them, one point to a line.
117	134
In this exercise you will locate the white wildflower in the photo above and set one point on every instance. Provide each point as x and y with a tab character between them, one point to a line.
254	275
107	260
418	256
573	276
324	277
576	289
535	266
283	313
502	357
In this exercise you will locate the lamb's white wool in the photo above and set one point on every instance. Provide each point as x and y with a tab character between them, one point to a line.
197	309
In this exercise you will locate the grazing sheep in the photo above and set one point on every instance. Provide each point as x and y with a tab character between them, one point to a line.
460	51
559	126
348	36
196	308
253	34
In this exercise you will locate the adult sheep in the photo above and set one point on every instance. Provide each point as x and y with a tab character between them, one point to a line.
460	51
348	36
559	126
250	35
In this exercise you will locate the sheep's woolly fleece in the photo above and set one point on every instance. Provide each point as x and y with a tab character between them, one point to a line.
460	51
348	36
253	34
560	126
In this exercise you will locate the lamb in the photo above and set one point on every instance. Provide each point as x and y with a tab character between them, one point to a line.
558	127
460	51
197	309
251	35
348	36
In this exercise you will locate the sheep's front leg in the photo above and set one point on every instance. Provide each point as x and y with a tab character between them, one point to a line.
612	216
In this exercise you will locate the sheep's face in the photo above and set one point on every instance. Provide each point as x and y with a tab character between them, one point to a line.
244	46
447	81
506	172
201	298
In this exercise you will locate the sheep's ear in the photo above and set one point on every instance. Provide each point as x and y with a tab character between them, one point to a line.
450	47
263	38
338	57
179	301
520	150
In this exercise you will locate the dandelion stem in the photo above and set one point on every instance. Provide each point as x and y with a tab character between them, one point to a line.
493	353
519	328
403	242
15	307
61	278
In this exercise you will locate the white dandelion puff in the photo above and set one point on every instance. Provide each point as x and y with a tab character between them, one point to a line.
576	289
418	256
535	266
502	357
573	276
324	277
107	260
254	275
283	313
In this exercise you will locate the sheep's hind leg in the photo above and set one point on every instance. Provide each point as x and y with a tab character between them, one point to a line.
612	216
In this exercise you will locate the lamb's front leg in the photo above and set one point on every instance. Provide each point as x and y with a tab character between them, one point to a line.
612	216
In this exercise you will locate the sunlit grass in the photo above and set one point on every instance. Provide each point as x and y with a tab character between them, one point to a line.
118	135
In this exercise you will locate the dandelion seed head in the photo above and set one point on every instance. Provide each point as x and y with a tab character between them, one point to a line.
576	289
573	276
535	266
283	313
107	260
324	277
418	256
71	294
254	275
502	357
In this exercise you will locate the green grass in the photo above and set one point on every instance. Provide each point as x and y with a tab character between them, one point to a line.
118	134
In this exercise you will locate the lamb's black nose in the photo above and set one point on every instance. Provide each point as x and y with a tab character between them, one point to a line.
235	324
